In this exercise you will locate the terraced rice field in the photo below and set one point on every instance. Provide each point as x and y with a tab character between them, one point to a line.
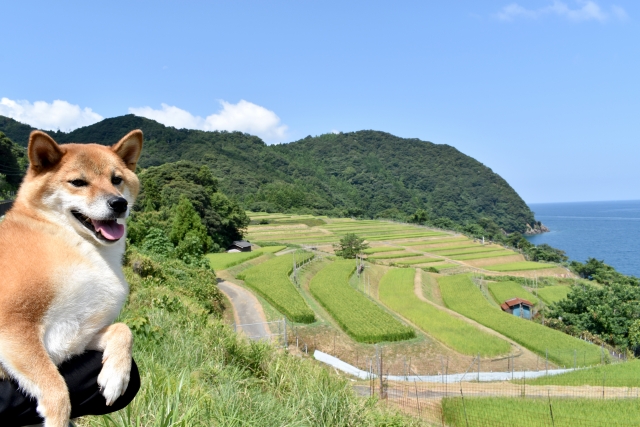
396	290
442	267
520	266
421	260
271	280
395	256
502	291
468	251
551	294
222	261
495	411
382	249
461	295
437	241
357	315
482	255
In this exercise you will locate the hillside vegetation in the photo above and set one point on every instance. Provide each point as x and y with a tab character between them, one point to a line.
365	173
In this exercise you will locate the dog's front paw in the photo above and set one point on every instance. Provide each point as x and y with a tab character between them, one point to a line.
114	379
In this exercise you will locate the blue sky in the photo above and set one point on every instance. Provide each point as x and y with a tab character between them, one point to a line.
544	92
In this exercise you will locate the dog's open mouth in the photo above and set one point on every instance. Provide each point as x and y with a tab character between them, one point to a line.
108	230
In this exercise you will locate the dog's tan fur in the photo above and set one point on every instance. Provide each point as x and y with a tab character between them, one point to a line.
61	287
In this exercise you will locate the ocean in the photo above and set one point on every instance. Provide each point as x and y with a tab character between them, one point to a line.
608	231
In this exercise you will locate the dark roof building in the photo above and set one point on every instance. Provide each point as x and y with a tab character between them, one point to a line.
241	245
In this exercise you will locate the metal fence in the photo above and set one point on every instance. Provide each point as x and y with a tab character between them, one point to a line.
5	206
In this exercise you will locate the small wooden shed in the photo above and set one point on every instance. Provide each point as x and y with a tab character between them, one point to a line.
240	245
518	307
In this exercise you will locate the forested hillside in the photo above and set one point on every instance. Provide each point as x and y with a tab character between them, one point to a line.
364	174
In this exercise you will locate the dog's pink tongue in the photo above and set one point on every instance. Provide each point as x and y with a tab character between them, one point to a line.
111	230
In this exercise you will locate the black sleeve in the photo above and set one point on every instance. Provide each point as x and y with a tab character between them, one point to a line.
81	375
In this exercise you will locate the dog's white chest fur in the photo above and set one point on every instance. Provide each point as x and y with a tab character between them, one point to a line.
90	293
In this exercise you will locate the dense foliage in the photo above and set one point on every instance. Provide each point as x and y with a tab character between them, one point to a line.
181	210
13	163
364	174
609	312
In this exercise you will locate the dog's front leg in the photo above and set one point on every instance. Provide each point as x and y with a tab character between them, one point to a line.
25	359
116	343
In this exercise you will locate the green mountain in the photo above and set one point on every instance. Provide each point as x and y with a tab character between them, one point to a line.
366	173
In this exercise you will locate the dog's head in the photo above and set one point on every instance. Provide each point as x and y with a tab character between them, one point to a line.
89	186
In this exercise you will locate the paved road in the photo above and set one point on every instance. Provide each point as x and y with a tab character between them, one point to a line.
247	310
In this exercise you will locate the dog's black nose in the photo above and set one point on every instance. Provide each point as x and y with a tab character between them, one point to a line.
118	204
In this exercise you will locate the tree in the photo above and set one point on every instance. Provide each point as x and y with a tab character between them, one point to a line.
350	246
419	217
187	221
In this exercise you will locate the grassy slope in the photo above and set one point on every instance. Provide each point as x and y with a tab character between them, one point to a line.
196	372
360	317
460	294
396	290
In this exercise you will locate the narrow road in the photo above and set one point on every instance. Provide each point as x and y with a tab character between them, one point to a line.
247	310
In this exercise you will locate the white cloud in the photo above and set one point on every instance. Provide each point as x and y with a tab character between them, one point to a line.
584	11
42	115
243	116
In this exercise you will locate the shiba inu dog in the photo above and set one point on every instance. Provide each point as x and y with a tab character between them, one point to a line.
61	280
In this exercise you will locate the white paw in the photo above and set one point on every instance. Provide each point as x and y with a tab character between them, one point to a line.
113	380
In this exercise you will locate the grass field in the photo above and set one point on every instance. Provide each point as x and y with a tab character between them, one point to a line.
461	295
483	255
222	261
360	317
453	247
396	290
400	236
394	256
551	294
520	266
271	280
492	411
502	291
618	375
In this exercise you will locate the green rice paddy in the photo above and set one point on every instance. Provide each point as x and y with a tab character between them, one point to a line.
462	295
396	290
520	266
502	291
540	412
496	254
551	294
626	374
222	261
395	256
415	261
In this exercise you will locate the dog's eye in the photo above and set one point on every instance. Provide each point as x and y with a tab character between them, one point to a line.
79	183
116	180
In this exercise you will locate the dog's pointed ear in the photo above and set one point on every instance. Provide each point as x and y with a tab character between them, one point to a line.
129	148
43	151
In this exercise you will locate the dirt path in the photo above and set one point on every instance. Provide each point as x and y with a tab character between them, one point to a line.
247	310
